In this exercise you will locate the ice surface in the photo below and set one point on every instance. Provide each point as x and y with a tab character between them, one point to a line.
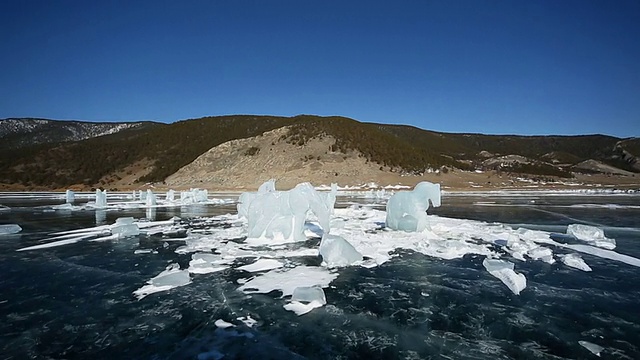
203	263
503	270
592	235
287	280
151	198
170	278
336	251
262	265
7	229
575	261
101	198
70	197
407	210
280	215
595	349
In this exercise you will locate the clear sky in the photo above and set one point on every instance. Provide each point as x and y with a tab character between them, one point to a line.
491	66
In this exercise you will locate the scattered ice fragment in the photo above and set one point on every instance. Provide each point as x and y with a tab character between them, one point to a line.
592	235
223	324
503	270
309	294
407	210
203	263
248	320
7	229
575	261
262	265
145	251
125	228
305	299
301	308
124	221
287	280
541	253
170	278
336	251
595	349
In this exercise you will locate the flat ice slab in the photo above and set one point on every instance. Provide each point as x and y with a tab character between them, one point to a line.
8	229
170	278
575	261
593	348
288	280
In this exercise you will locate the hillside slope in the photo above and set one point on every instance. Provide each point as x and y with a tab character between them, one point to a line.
153	152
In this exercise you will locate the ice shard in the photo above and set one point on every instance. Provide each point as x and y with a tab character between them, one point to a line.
336	251
592	235
503	270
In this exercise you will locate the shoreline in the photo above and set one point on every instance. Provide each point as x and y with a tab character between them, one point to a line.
458	181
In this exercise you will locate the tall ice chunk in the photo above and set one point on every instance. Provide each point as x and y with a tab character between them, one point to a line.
407	210
101	198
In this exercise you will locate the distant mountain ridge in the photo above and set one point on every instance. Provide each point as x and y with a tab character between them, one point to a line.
41	153
22	132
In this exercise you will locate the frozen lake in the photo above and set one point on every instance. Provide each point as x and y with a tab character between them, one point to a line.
416	296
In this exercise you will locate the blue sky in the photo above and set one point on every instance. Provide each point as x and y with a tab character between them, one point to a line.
518	67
